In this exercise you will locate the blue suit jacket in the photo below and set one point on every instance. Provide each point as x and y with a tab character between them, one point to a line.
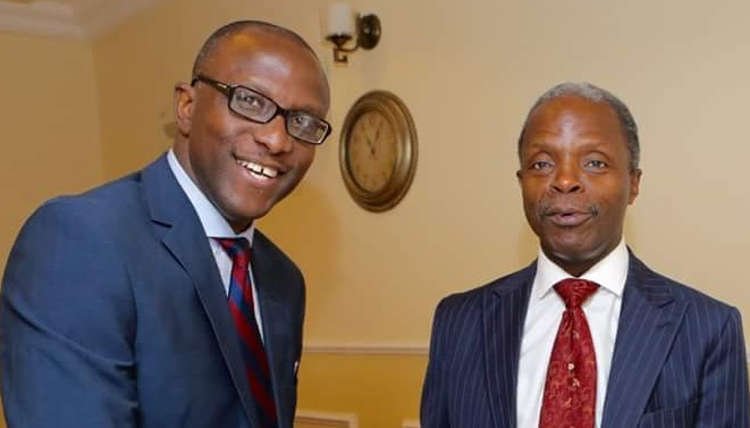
679	357
114	315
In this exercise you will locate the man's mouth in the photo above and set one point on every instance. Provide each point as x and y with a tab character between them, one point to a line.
569	218
258	169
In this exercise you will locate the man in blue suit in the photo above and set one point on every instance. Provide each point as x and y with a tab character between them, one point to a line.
587	335
132	305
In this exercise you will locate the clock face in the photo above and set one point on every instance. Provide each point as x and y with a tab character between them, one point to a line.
372	151
378	150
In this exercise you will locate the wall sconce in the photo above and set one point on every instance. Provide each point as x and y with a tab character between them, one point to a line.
343	26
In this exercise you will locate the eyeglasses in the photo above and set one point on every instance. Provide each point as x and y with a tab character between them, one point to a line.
258	108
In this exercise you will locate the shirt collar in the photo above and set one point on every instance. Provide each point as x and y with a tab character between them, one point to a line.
610	272
214	224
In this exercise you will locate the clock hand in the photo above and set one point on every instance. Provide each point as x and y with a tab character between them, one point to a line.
377	137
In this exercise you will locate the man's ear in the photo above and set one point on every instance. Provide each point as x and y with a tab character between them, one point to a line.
184	97
635	184
519	177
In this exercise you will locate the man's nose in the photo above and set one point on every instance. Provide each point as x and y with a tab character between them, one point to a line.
567	179
273	135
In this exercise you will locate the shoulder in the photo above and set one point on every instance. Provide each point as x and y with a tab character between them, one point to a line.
707	314
678	290
467	304
702	309
70	250
82	231
499	285
106	205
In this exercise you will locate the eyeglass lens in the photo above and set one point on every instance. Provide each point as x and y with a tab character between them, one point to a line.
260	108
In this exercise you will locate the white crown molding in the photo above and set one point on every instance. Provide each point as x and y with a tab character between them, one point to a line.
99	19
44	18
366	349
51	18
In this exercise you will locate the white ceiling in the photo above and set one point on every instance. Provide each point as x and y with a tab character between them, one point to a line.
81	19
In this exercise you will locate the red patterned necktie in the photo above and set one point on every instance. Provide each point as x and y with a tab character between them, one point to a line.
570	392
240	301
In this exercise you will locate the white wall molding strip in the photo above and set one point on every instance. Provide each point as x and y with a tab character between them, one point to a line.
410	424
366	349
326	419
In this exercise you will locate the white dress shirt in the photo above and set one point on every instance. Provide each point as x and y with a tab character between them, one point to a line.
543	317
215	226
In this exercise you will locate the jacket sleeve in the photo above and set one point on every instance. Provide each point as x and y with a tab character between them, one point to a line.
434	410
67	323
724	400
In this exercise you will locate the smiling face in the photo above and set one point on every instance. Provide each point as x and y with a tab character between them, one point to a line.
576	180
245	168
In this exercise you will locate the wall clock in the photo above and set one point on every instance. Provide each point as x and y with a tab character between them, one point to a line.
378	150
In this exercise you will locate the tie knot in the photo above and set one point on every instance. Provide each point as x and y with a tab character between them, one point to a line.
238	249
575	291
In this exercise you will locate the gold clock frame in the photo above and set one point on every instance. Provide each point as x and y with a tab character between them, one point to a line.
397	114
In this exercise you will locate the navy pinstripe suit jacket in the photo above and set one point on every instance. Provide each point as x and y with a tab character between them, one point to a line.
679	357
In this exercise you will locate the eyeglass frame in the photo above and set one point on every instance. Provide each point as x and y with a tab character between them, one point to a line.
228	91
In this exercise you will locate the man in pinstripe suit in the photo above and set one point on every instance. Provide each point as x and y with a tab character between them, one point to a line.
666	355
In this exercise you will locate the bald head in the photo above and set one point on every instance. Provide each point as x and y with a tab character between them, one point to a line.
219	37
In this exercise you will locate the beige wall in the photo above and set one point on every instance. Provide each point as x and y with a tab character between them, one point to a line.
469	74
378	389
50	126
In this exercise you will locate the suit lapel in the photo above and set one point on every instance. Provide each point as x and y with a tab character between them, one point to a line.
276	320
503	318
649	320
185	239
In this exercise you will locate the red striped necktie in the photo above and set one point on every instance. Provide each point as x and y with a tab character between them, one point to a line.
570	391
240	301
